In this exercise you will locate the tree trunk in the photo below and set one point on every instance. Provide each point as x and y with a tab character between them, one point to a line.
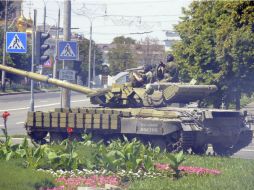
237	100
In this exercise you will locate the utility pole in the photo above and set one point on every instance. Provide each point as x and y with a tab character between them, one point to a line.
56	52
4	44
94	58
66	96
32	62
89	55
44	19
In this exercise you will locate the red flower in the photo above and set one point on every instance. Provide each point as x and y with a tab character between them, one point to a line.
69	130
5	115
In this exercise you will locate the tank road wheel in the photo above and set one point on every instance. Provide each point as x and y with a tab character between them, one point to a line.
57	137
200	149
38	136
221	150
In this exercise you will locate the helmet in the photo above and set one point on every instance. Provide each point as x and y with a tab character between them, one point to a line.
170	58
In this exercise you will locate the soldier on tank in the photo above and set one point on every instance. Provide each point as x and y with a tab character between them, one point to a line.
137	79
167	72
140	78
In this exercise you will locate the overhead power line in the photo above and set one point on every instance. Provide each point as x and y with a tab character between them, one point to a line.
129	2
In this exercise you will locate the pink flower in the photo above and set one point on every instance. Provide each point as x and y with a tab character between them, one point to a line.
92	181
161	166
188	169
199	170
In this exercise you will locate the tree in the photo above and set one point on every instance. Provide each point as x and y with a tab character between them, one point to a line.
122	56
216	47
83	53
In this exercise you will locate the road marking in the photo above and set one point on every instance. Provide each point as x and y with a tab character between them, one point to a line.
22	122
41	106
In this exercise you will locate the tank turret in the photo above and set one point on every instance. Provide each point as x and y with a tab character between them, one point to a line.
124	95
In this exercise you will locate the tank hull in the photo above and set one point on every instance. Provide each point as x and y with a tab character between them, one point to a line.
171	128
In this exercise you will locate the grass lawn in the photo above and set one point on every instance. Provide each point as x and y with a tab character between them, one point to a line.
13	176
237	174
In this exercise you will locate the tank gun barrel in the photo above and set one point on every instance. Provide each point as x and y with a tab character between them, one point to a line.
183	92
49	80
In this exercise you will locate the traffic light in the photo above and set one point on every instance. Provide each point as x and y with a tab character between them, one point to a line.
41	47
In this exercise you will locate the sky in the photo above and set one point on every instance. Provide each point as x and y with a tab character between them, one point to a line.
137	19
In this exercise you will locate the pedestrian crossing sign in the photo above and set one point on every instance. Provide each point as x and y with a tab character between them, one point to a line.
68	50
16	42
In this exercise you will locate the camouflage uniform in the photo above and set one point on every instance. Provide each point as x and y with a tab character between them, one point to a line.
167	72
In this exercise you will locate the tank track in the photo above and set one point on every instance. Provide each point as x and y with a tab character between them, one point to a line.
244	140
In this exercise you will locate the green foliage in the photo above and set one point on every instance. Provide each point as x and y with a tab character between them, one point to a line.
122	55
216	47
126	155
236	174
62	157
175	161
82	69
8	150
31	155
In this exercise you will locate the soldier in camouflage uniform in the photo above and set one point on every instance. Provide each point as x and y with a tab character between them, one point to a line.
167	72
140	78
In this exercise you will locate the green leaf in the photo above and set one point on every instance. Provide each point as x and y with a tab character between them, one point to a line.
157	150
24	143
9	155
139	161
37	153
52	155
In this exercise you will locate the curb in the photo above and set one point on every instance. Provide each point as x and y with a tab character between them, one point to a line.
27	92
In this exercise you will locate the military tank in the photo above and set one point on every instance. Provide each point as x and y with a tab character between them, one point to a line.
145	113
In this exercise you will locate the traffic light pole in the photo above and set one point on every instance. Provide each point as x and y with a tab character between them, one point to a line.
32	62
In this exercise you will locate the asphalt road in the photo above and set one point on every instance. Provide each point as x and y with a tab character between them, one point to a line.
18	105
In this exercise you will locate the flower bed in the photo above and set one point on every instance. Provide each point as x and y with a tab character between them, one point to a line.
188	169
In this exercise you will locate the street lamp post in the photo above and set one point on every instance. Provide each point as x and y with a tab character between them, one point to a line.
90	52
91	18
4	44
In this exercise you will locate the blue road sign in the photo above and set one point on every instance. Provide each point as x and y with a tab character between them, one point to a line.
68	50
16	42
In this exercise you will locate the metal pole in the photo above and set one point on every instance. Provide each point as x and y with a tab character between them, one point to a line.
89	55
67	35
44	19
56	52
4	44
93	64
32	64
